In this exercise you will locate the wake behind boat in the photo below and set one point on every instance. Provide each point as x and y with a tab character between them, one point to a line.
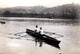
44	38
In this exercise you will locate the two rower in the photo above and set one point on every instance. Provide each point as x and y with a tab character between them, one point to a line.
39	30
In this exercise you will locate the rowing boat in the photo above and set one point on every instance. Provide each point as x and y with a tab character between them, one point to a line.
45	38
2	22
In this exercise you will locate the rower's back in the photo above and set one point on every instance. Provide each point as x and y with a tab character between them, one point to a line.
37	29
41	31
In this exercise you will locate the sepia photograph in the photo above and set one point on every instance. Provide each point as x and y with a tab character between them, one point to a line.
39	26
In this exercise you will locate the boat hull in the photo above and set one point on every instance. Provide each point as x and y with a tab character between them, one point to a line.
45	38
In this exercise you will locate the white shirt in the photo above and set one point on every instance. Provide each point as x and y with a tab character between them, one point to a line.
41	32
37	29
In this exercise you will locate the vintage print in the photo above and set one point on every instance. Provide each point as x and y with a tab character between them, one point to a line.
39	26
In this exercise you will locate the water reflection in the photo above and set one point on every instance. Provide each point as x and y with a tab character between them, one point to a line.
69	43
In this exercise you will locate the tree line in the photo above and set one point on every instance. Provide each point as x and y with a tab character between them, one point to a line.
9	14
70	12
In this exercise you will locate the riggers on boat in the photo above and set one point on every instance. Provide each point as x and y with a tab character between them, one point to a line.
45	38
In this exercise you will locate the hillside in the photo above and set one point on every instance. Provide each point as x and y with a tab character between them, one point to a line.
21	9
67	11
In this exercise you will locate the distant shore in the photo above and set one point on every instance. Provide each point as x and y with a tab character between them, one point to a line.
67	11
31	18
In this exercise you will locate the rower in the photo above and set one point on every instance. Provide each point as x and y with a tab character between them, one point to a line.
41	31
37	29
40	41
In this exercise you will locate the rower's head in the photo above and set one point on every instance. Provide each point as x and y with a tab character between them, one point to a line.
36	26
40	28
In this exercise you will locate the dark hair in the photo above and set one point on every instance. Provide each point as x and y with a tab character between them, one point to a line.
40	27
36	26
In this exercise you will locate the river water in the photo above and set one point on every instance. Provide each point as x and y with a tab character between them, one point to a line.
68	28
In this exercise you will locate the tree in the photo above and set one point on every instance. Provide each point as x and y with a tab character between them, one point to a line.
69	12
6	13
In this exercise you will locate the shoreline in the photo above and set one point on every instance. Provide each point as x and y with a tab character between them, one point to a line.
34	18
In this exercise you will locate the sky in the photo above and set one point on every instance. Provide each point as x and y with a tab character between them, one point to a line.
47	3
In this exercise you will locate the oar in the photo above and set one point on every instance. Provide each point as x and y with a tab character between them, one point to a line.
58	34
13	34
20	33
25	36
48	32
53	33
